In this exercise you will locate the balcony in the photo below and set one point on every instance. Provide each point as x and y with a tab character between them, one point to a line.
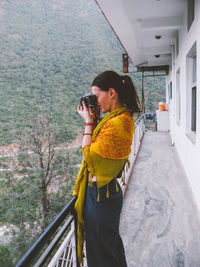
159	220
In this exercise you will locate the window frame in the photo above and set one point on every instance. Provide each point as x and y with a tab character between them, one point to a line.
191	93
178	97
190	13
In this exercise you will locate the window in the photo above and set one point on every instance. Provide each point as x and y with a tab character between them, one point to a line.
177	44
178	97
193	111
190	12
191	94
170	91
194	69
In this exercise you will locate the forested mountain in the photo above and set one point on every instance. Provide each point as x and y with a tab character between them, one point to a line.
50	51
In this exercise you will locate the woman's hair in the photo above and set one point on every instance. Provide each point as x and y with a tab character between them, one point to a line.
124	87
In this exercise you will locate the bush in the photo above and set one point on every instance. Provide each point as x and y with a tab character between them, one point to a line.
5	257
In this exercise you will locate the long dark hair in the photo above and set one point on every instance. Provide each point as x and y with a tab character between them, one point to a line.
124	87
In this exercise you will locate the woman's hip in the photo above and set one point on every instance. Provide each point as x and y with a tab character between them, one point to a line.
104	203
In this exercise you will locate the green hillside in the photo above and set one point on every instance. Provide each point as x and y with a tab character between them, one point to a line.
49	53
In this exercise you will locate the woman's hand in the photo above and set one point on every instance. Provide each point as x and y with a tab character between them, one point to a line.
84	113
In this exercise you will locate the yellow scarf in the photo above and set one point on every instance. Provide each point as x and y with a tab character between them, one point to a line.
100	139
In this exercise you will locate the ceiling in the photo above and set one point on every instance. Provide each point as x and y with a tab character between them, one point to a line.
137	23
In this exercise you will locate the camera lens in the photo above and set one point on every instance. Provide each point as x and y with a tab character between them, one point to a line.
90	100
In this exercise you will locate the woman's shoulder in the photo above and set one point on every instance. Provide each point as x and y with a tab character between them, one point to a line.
125	116
120	125
121	120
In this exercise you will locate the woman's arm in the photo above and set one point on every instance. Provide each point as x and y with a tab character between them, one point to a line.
87	135
89	124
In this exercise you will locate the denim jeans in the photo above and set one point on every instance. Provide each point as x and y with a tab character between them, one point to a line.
104	246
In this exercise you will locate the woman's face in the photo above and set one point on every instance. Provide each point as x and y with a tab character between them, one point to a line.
104	102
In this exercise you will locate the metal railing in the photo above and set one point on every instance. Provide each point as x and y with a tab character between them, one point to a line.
137	140
60	235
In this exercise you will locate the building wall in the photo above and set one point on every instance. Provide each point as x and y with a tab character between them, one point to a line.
186	142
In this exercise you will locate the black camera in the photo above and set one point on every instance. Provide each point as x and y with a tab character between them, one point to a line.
90	100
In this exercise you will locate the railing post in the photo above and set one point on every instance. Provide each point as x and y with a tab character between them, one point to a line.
76	239
74	247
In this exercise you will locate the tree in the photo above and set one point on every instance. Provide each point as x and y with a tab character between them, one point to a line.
40	183
38	161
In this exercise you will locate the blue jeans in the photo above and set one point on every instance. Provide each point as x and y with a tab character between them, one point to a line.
104	246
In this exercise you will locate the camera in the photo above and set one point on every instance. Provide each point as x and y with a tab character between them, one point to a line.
90	100
92	104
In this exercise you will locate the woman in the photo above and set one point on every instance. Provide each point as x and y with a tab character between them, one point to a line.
106	148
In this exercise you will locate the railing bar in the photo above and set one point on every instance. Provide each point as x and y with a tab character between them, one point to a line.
68	253
134	142
71	252
63	257
68	264
75	253
31	254
54	242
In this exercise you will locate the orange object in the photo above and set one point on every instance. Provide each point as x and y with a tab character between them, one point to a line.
125	63
162	106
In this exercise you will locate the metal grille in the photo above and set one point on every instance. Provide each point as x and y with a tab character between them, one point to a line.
66	253
137	139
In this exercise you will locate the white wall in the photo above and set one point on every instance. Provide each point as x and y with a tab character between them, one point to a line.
188	148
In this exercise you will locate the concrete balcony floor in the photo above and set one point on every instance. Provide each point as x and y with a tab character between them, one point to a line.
160	224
